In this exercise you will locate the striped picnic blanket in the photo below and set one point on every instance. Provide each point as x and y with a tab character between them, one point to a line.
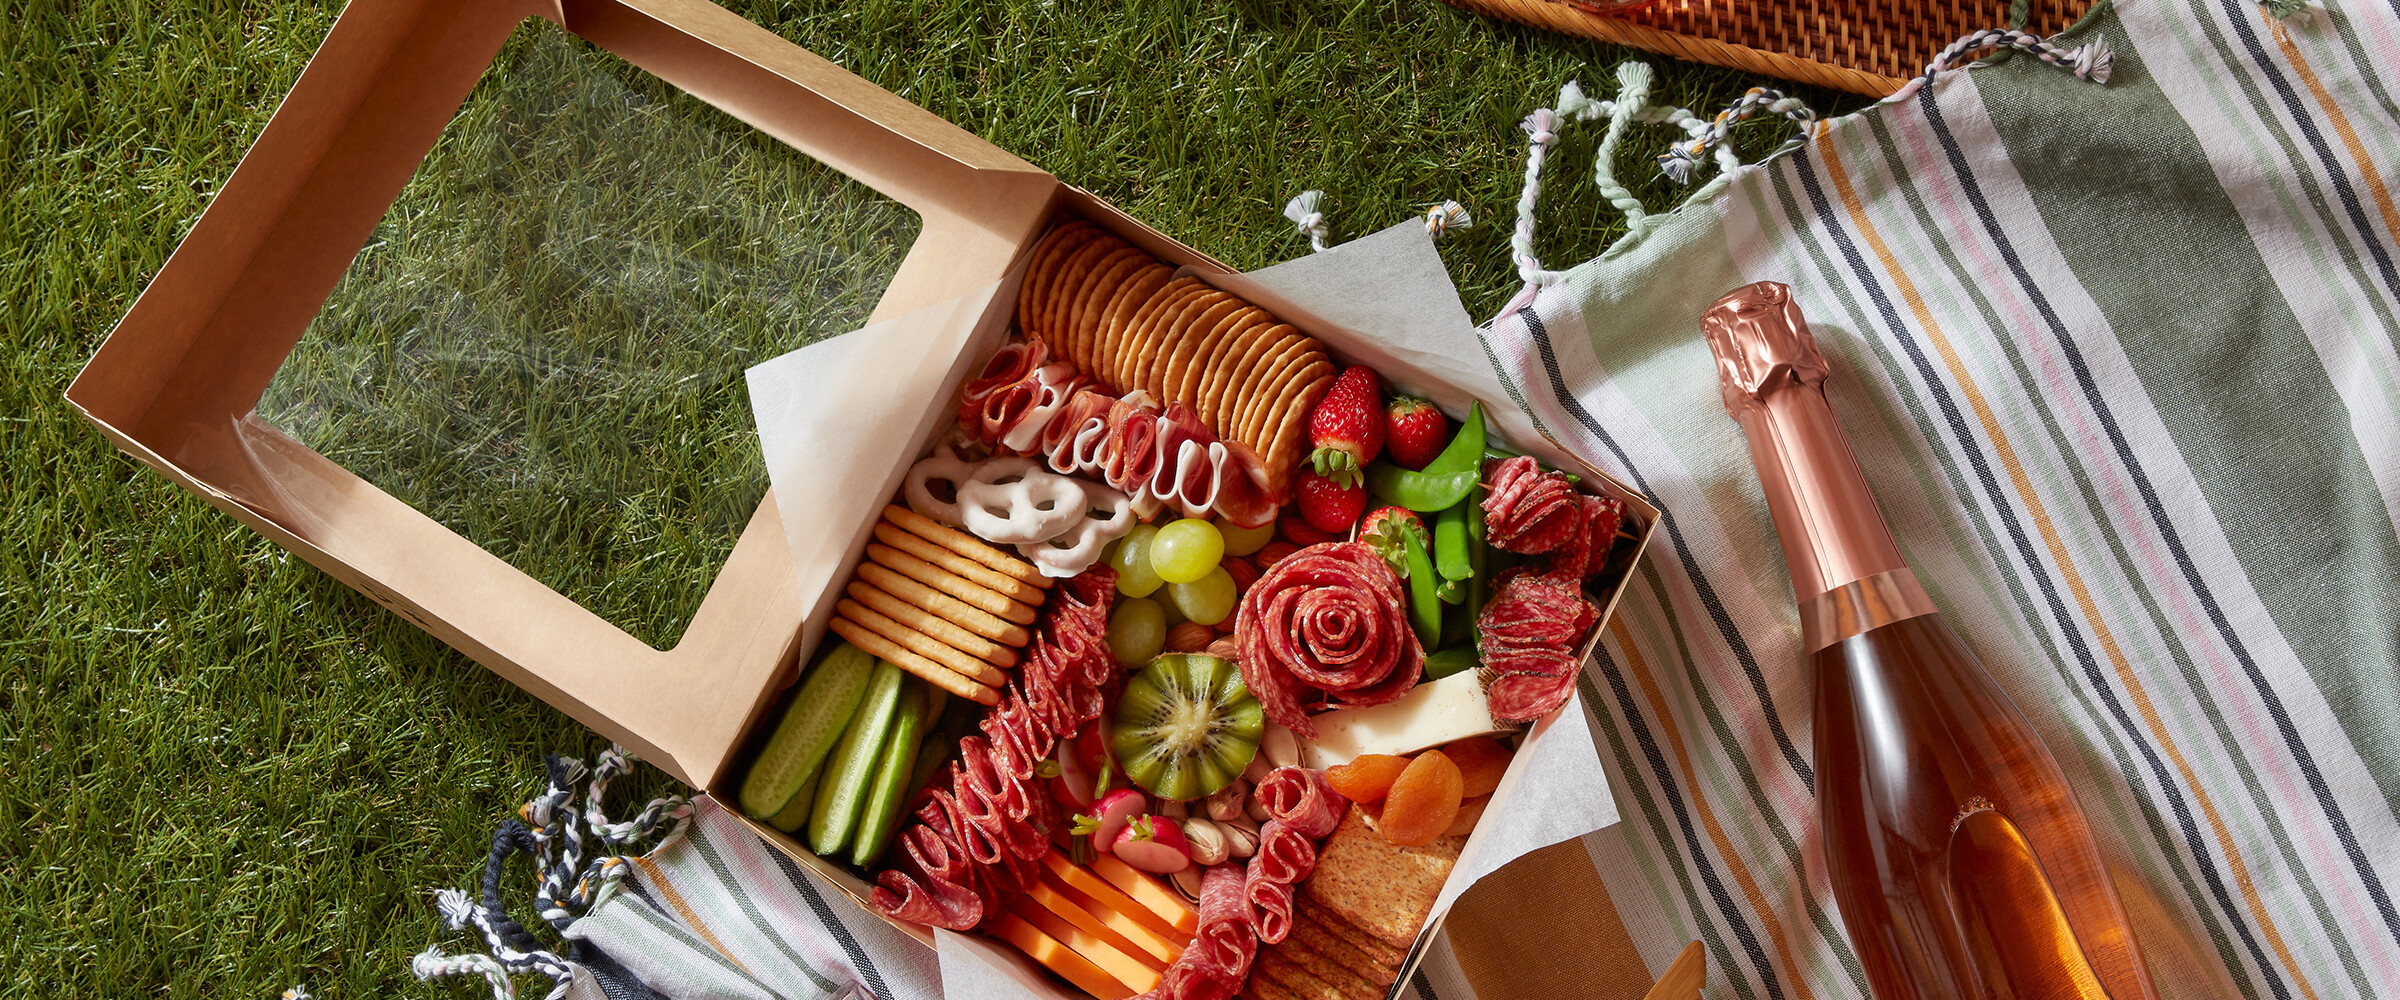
2119	363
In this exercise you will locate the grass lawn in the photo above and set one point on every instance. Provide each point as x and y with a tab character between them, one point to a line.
229	774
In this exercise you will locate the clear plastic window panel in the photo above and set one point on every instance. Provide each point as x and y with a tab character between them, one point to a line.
542	345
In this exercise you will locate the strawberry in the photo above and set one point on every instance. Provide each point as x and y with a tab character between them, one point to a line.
1298	531
1347	426
1418	431
1381	530
1329	506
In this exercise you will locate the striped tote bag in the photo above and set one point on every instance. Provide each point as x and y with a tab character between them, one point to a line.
2119	361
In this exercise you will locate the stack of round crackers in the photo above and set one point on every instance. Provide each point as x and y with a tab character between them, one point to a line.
941	604
1118	314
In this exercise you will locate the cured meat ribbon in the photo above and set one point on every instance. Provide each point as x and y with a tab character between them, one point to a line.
981	829
1302	809
1528	636
1326	627
1218	960
1531	630
1026	403
1301	798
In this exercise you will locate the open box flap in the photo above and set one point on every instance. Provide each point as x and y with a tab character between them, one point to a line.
840	421
176	382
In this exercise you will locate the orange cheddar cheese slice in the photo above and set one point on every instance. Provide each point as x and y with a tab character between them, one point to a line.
1166	903
1125	933
1058	958
1110	898
1119	965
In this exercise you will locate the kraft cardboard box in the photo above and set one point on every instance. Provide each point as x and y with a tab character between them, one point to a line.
177	383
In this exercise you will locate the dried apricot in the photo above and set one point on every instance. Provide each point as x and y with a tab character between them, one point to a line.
1366	779
1422	801
1481	760
1468	812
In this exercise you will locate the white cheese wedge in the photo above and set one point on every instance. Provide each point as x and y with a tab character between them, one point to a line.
1431	714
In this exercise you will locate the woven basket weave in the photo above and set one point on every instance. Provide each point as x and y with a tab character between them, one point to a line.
1868	47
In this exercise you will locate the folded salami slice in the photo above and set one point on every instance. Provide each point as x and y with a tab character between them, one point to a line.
1218	960
1301	798
1526	697
979	828
1285	855
1270	906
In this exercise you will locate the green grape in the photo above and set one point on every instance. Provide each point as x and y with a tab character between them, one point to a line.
1166	604
1186	550
1137	631
1206	600
1135	578
1244	541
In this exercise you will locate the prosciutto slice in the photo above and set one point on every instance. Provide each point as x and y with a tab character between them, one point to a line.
1025	403
1301	798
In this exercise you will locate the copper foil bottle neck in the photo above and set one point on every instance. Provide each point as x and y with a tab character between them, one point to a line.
1846	572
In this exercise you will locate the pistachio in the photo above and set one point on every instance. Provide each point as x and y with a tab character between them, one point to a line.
1229	801
1258	770
1255	809
1208	842
1241	837
1279	746
1187	881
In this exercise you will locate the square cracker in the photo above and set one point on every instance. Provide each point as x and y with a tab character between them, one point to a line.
1381	888
1315	941
1352	979
1297	979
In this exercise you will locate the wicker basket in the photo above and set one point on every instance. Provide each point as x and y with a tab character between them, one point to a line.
1868	47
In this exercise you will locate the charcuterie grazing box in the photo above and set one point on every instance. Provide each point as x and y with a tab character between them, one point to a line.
1153	627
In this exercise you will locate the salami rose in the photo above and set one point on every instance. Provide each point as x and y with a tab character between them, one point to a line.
1326	627
1529	510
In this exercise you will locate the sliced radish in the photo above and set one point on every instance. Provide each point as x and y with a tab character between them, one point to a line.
1153	845
1109	816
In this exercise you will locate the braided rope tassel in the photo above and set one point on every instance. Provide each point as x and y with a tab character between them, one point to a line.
1681	159
1447	216
2088	61
1633	91
555	833
1541	131
431	964
1302	210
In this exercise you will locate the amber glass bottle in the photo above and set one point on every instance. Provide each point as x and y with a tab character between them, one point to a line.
1959	859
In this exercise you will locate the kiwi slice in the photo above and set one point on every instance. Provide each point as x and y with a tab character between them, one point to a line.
1187	725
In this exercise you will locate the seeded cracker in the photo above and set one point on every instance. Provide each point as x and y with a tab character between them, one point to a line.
1382	889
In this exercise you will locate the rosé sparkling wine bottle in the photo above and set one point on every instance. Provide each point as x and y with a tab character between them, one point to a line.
1959	859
